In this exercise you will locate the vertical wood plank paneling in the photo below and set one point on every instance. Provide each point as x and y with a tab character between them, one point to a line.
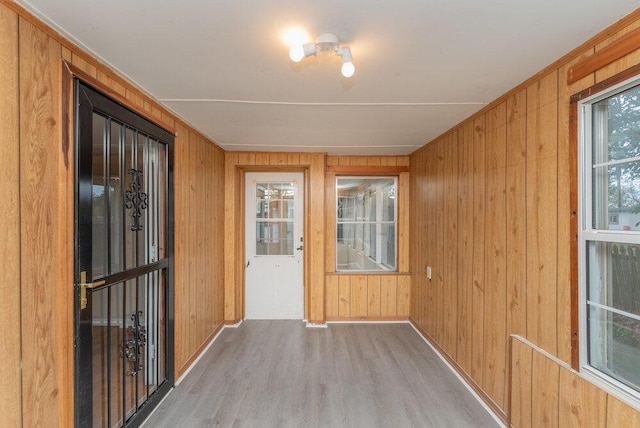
263	158
293	159
388	295
450	319
117	86
333	296
359	295
544	391
10	379
429	308
404	296
580	403
542	193
620	414
403	222
136	100
418	247
373	296
66	54
83	65
359	161
200	268
479	183
465	245
513	247
516	214
344	290
521	384
440	272
218	254
373	160
192	243
495	257
181	216
276	159
316	228
564	207
230	216
368	296
241	158
44	294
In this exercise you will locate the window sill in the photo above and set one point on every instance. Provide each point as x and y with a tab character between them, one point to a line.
611	386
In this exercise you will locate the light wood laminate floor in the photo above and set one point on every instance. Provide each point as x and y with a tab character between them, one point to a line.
282	374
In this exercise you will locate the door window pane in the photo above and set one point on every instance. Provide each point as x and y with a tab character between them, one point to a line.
274	238
275	200
274	218
131	259
116	197
100	215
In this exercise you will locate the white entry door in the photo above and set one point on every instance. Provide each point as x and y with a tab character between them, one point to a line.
274	246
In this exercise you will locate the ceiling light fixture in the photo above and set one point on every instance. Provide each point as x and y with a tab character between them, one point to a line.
325	43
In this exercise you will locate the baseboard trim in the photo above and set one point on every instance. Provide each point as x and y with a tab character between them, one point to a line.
315	325
200	353
369	321
486	401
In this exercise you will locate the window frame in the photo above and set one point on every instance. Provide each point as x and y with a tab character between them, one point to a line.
365	225
582	193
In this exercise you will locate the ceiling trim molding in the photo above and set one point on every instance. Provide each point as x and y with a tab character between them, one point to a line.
295	103
324	146
367	169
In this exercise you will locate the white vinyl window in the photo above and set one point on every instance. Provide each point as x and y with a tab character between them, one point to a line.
609	238
366	223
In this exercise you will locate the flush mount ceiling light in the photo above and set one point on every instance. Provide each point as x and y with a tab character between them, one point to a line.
325	43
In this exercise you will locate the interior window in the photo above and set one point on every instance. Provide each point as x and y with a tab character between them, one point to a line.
609	236
366	213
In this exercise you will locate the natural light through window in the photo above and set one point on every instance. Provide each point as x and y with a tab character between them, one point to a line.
366	212
610	237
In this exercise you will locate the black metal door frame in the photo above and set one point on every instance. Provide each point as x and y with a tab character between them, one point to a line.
87	101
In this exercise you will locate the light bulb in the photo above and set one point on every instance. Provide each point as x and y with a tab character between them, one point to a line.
348	69
296	53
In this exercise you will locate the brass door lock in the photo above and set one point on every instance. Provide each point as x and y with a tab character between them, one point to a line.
84	285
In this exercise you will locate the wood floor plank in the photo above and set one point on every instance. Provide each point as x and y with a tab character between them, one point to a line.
281	374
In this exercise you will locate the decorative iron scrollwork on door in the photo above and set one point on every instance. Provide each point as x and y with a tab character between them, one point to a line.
132	348
135	199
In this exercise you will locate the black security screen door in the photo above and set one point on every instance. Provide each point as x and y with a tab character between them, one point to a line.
123	262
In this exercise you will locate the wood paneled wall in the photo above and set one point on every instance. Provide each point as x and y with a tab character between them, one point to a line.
368	296
313	164
199	244
545	391
36	238
490	213
10	415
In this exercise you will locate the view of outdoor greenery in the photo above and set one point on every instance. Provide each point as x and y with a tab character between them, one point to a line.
623	112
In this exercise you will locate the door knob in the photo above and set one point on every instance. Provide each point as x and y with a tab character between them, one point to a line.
299	248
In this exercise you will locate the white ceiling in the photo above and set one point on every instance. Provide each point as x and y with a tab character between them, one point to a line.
422	66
